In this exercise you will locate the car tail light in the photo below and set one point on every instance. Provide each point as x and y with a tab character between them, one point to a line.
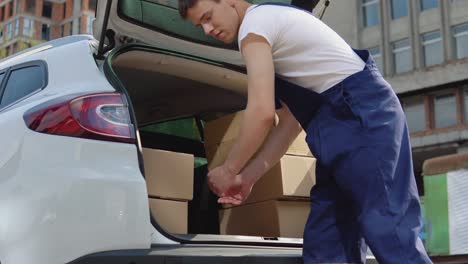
103	116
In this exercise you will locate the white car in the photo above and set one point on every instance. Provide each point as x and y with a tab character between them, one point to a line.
72	119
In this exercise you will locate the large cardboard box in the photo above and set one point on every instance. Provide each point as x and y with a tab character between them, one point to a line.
267	219
169	174
170	215
291	177
226	129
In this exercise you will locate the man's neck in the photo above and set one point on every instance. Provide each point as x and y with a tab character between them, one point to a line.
241	8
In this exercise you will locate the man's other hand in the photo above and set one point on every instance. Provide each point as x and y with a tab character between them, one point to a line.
238	192
231	188
220	179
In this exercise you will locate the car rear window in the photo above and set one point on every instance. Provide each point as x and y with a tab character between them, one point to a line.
163	16
21	83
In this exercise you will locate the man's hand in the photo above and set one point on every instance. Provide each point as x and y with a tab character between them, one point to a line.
231	188
274	148
220	179
238	192
259	113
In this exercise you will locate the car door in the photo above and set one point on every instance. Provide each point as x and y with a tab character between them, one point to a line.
157	23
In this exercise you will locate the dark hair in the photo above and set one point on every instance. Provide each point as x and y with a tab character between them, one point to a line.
184	6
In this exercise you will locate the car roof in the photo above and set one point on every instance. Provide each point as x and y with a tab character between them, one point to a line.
11	60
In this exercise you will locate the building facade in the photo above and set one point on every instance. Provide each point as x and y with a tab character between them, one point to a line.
25	23
421	47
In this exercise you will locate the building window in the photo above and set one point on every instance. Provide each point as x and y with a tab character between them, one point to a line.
79	25
18	7
47	9
370	11
11	9
445	110
399	8
432	48
65	9
28	27
402	56
70	29
92	5
428	4
377	55
465	105
62	30
16	27
460	33
31	6
2	10
89	24
9	31
45	32
415	114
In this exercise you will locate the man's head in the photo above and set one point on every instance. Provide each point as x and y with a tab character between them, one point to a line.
219	18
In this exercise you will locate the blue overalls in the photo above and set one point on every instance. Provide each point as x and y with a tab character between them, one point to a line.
365	192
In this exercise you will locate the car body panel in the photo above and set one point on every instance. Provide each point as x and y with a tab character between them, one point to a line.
78	197
65	197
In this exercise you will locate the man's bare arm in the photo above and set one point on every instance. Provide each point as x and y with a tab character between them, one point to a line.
260	111
275	146
273	149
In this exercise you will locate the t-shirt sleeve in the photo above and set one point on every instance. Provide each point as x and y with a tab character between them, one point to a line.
259	21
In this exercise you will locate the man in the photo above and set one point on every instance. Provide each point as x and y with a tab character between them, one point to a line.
365	191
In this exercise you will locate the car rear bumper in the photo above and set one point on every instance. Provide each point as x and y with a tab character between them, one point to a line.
63	197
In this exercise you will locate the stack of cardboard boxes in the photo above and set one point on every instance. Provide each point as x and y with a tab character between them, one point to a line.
169	180
278	205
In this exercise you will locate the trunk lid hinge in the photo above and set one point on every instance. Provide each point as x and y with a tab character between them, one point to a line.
326	4
110	34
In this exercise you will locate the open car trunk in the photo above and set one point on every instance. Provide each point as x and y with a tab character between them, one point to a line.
173	96
164	85
158	23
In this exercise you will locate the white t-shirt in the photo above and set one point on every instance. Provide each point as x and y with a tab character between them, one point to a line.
306	52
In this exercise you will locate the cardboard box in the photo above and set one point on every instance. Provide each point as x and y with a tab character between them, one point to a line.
217	154
169	174
170	215
266	219
291	177
226	129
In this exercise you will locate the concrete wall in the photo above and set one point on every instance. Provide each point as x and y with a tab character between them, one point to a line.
341	16
344	16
